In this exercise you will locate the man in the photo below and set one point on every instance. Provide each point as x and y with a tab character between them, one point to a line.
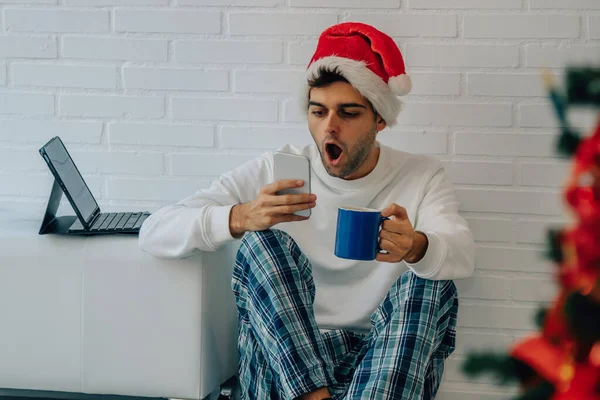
313	326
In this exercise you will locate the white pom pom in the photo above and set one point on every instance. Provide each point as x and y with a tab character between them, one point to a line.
400	84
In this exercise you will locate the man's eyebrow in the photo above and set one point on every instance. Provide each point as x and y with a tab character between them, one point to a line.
348	105
344	105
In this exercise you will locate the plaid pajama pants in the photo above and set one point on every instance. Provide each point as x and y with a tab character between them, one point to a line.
282	354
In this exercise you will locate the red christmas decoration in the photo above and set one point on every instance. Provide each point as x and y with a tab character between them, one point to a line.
573	366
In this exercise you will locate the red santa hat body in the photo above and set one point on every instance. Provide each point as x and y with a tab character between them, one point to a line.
369	59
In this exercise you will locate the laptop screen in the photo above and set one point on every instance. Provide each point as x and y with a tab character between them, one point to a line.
72	179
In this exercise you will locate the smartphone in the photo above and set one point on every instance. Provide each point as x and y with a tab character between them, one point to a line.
292	166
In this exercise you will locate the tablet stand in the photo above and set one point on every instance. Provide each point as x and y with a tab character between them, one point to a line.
52	223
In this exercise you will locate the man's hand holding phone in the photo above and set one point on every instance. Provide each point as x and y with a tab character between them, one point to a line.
269	208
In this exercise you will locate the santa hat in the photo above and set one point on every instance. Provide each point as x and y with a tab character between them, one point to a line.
369	59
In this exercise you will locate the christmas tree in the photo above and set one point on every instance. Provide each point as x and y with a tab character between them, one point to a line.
562	360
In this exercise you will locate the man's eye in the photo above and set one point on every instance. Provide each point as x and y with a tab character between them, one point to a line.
317	113
349	114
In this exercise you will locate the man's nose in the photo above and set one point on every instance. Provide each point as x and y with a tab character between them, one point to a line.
333	125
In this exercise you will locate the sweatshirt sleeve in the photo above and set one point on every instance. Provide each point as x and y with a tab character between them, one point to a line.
201	221
451	250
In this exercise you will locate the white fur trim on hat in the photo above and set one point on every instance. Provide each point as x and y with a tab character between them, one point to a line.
371	86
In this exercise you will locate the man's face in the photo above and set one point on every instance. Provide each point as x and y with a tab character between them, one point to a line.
344	127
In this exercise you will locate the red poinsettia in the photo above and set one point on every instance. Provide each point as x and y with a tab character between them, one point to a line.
572	368
580	269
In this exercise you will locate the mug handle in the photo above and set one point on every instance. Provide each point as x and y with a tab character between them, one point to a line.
381	219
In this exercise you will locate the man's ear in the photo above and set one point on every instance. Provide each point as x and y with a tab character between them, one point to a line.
381	124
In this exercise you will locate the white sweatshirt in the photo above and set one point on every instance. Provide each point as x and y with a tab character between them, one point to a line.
347	291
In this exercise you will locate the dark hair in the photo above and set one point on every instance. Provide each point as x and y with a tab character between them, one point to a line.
326	76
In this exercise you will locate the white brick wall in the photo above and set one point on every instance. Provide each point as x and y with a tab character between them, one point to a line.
555	56
407	25
224	109
284	24
594	27
111	105
522	26
561	5
28	47
229	52
29	104
156	98
167	21
149	134
183	79
465	4
56	20
115	49
461	55
68	76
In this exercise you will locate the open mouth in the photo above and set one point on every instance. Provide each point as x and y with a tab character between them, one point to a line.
334	152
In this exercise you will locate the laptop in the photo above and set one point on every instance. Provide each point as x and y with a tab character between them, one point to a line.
90	220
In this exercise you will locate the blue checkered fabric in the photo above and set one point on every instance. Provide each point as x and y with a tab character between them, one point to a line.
282	354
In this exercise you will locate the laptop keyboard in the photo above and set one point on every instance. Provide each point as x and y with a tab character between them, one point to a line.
114	223
118	222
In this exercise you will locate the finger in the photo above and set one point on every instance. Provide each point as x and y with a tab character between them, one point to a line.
276	186
403	227
290	209
388	211
389	235
403	243
288	199
391	258
289	218
395	210
400	212
388	246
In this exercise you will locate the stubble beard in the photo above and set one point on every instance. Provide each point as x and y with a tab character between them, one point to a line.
359	155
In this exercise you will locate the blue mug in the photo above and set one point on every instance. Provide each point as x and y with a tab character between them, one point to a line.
357	234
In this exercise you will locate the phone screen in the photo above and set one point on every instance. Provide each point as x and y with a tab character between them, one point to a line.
71	178
292	166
